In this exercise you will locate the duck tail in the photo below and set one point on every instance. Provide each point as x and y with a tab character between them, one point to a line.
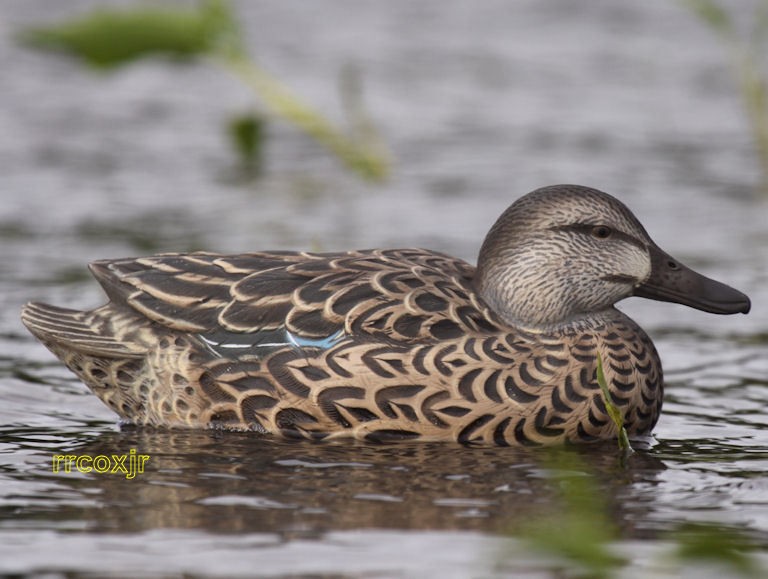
76	331
110	363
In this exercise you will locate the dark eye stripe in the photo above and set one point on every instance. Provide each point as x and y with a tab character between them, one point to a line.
618	278
587	228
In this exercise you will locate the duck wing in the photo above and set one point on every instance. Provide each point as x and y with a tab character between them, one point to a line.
405	296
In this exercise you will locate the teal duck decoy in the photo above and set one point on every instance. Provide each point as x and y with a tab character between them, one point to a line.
392	343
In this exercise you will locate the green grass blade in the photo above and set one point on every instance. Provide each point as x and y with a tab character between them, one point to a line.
365	158
613	412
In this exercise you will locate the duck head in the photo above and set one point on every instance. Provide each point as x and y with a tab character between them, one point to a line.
566	253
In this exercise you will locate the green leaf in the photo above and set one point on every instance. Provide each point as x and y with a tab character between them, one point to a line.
613	412
108	38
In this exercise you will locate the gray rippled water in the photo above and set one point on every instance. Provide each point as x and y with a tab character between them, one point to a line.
480	103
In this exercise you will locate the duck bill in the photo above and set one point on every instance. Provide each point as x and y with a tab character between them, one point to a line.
671	281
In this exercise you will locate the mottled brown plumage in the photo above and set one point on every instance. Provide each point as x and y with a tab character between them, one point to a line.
391	344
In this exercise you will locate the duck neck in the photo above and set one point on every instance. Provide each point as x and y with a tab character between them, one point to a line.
582	324
585	323
514	288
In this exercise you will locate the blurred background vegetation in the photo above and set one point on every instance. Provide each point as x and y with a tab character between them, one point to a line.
108	38
576	529
747	50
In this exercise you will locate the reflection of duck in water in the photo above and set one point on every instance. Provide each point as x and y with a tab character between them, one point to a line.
197	479
387	344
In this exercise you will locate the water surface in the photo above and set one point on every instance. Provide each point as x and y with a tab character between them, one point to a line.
479	103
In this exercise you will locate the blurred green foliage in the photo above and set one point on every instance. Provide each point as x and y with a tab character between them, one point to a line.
247	134
748	56
109	38
577	532
715	544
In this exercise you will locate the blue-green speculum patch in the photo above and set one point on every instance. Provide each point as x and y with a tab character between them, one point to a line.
262	343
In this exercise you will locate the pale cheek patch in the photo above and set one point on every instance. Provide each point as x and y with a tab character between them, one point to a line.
640	265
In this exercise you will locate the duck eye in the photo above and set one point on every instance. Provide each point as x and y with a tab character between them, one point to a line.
601	231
